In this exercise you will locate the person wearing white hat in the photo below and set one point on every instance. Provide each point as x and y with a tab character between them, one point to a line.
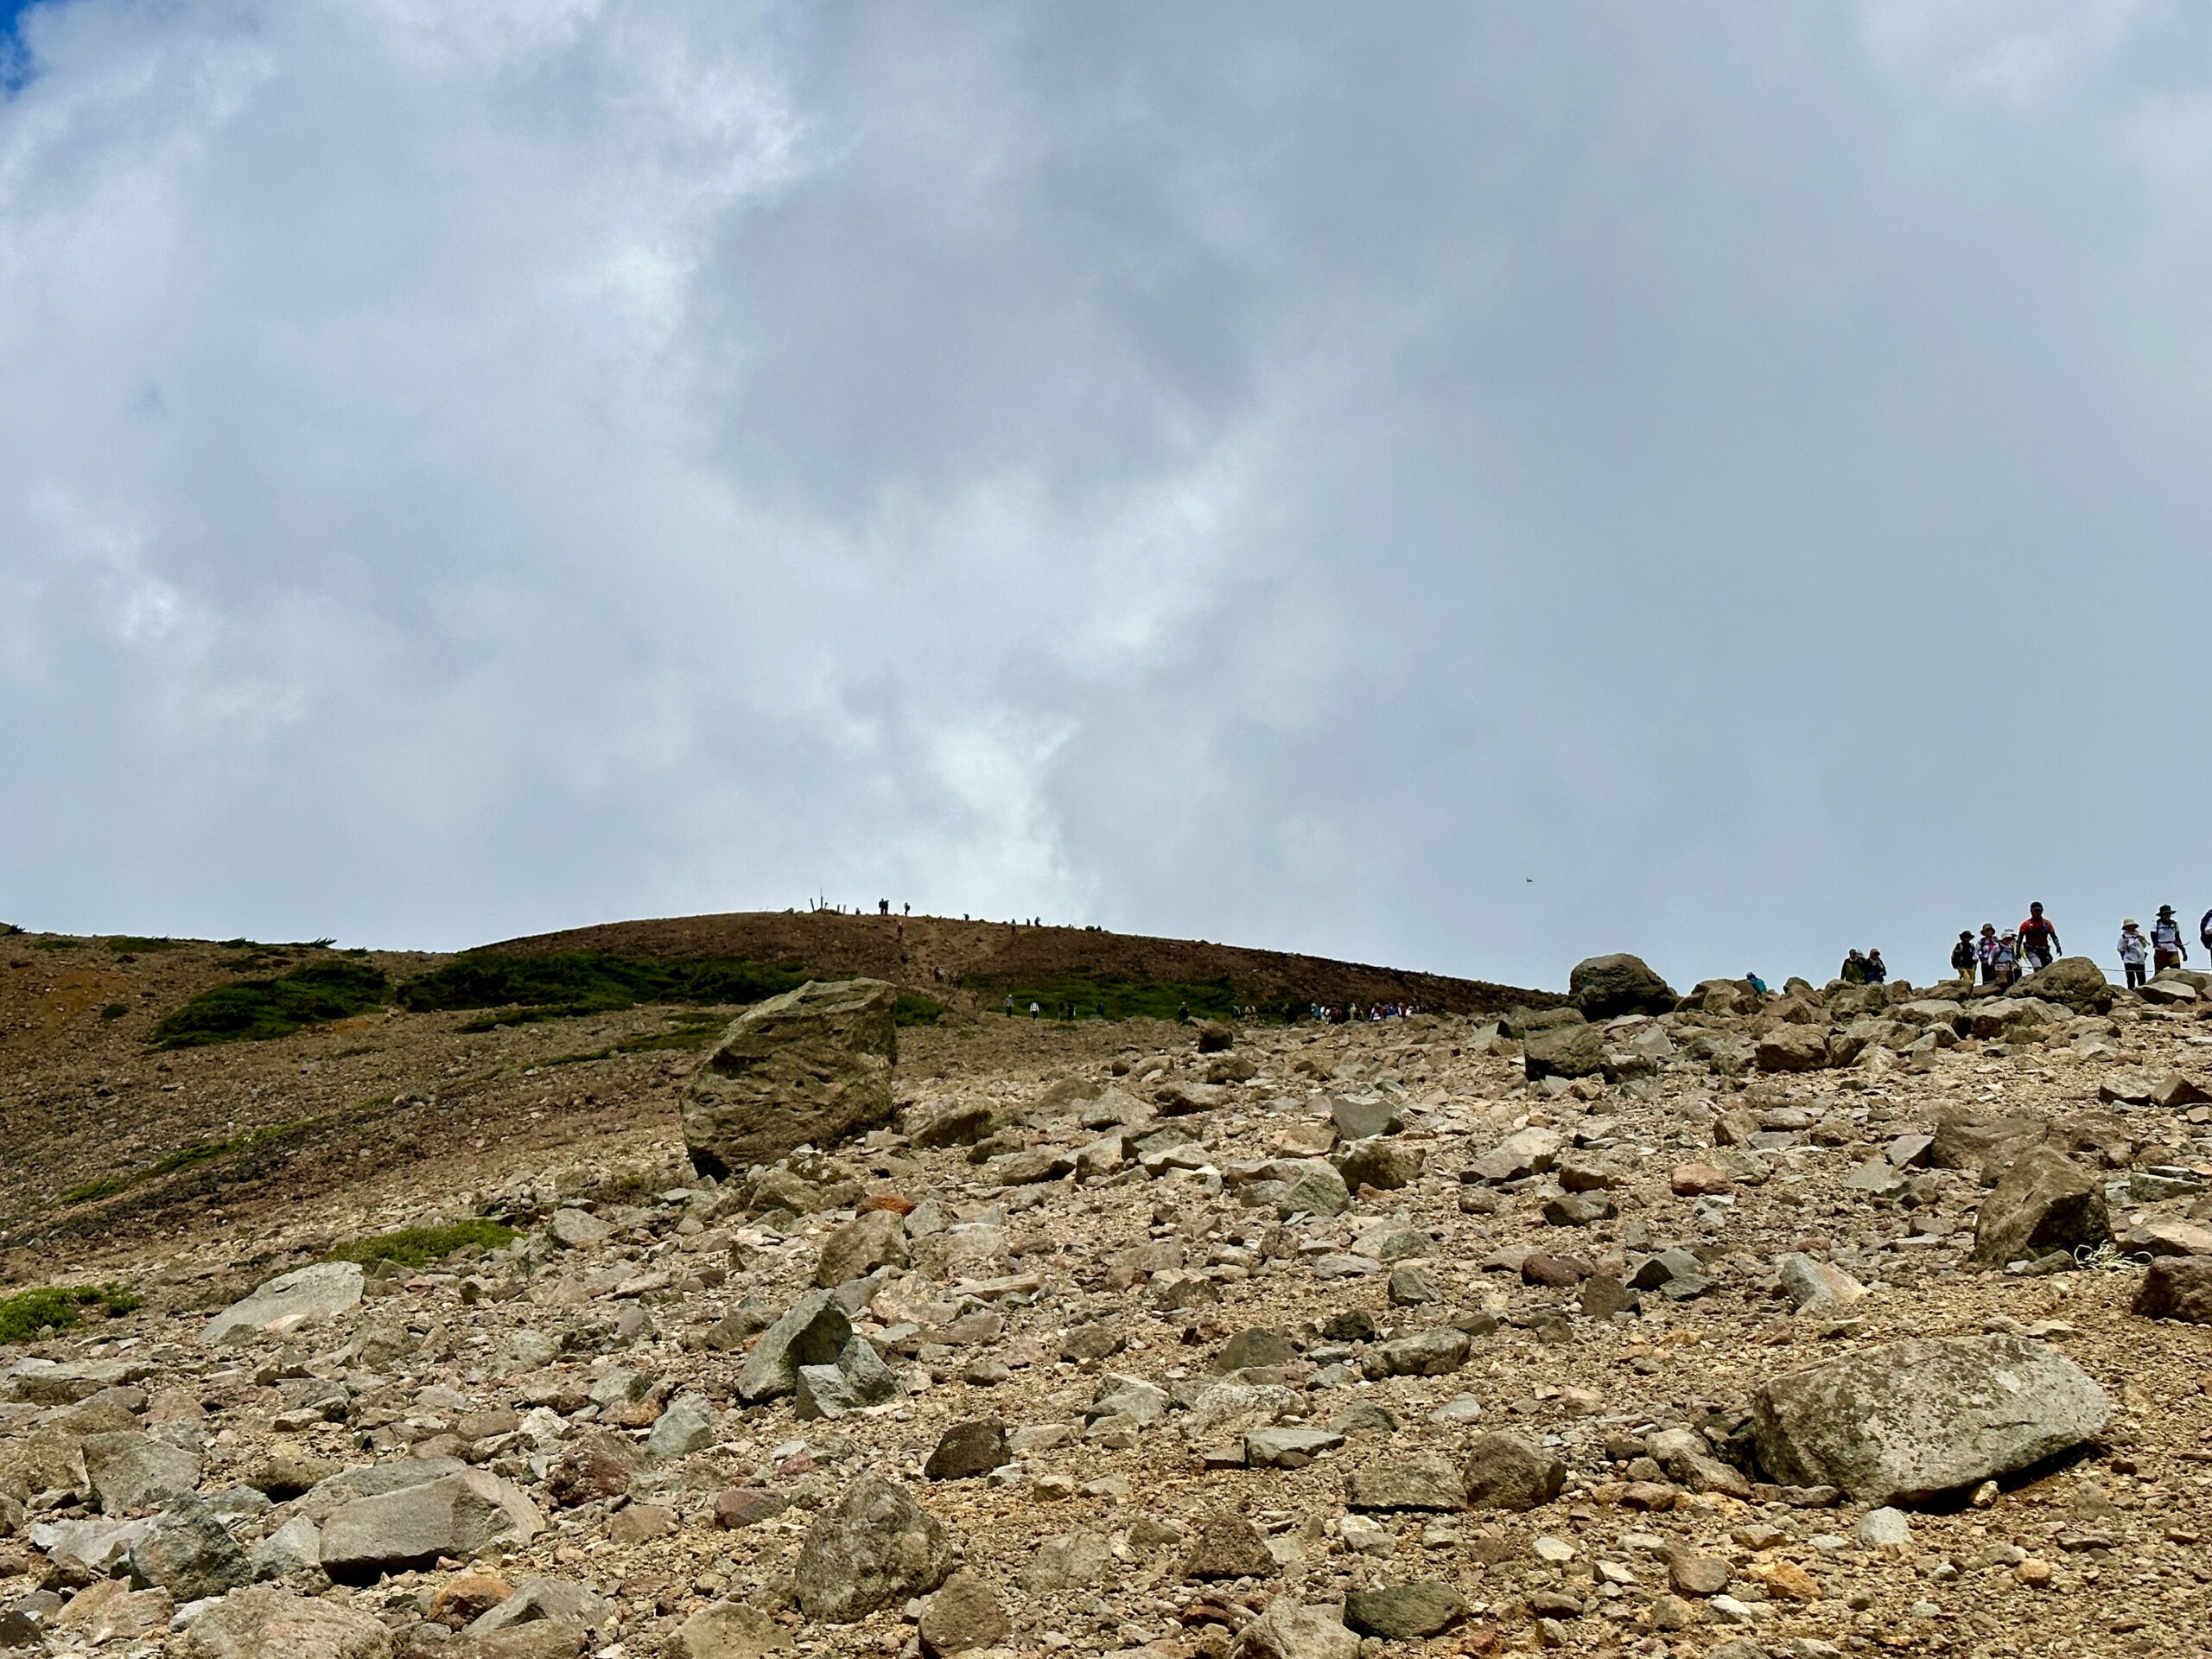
2133	949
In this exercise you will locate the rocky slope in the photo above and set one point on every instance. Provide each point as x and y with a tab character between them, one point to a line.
1783	1326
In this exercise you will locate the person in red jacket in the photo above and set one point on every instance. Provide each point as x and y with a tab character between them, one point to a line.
2038	938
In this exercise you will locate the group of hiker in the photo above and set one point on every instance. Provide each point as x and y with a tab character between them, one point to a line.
2001	959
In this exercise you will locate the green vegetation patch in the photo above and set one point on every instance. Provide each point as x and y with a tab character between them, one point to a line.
254	1010
57	944
137	946
1112	997
915	1009
114	1010
200	1152
23	1315
418	1247
557	985
106	1187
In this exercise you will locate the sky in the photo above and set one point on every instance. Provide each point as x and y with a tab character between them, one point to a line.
1466	487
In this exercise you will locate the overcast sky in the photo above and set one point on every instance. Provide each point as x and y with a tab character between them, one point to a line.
1463	486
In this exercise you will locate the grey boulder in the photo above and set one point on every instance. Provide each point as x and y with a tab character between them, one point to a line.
263	1620
1605	987
1905	1420
808	1068
287	1302
2043	1202
876	1549
456	1516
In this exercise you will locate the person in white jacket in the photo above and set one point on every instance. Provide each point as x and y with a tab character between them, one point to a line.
2133	949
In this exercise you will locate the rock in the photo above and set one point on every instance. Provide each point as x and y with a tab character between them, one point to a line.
2178	1287
1427	1353
1215	1037
188	1553
1905	1420
599	1465
287	1302
1290	1630
967	1449
874	1549
456	1516
1699	1181
808	1068
1227	1546
957	1126
963	1615
1250	1348
264	1623
859	1379
1886	1529
877	1239
295	1549
1579	1209
1816	1287
132	1471
1692	1574
727	1630
2161	1237
1524	1153
1412	1286
1287	1446
1973	1141
1428	1480
1605	987
1314	1188
1361	1119
1383	1165
2043	1202
1405	1613
1792	1048
2077	982
1576	1051
813	1331
1506	1471
538	1600
578	1230
741	1506
687	1425
1075	1561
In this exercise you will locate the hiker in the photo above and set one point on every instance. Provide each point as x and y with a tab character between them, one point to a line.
1964	956
1009	1001
2038	938
2133	947
1878	971
2007	962
1183	1014
1985	948
1854	968
2205	932
1758	985
2167	950
1033	1010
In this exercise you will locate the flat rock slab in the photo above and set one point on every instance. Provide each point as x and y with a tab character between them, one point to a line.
287	1302
457	1516
1906	1420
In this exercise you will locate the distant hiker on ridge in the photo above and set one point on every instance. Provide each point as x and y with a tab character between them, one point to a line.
1964	957
1878	971
2038	938
2167	950
2133	947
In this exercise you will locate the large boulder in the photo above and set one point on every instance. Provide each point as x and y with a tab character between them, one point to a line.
1604	987
303	1296
129	1471
2178	1287
2043	1202
1564	1051
457	1516
256	1623
1793	1048
876	1548
807	1068
2075	981
1904	1420
1505	1470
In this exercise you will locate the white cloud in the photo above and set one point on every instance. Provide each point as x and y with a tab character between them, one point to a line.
1463	487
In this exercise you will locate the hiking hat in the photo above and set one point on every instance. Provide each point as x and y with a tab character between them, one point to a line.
2130	922
2166	910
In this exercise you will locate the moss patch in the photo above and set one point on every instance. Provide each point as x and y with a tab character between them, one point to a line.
1109	997
23	1315
418	1247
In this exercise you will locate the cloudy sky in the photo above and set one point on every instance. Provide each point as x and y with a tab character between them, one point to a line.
1463	486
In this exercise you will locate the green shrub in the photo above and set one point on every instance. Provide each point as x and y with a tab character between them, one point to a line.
1121	996
557	985
114	1010
417	1247
57	944
106	1186
252	1010
915	1009
23	1315
138	946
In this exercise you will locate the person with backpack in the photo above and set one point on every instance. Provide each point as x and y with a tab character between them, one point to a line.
2006	960
1964	957
1986	948
2167	949
2133	947
2205	932
2038	938
1877	970
1854	968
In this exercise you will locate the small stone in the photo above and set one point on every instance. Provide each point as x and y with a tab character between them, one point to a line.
1227	1546
1405	1613
962	1616
967	1449
1886	1529
1694	1575
1507	1472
